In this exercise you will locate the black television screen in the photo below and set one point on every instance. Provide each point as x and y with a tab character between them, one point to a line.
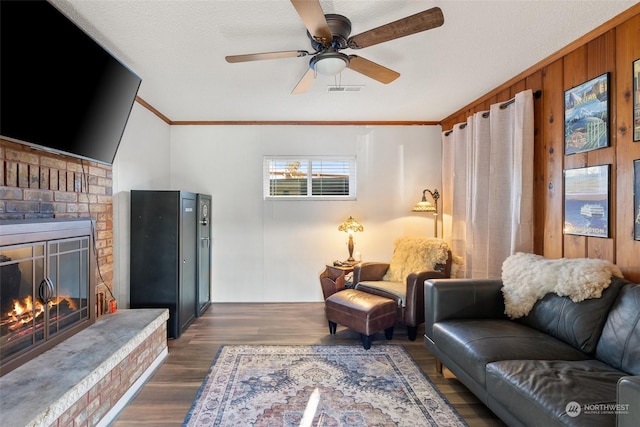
60	90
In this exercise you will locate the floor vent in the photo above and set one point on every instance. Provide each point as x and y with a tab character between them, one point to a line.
351	88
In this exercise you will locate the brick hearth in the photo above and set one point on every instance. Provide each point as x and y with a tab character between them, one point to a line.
87	379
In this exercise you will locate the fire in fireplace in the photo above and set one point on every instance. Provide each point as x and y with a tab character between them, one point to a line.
27	319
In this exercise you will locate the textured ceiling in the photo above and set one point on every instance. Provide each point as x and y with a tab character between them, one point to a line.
178	47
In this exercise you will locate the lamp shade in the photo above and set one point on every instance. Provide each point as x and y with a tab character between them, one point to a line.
350	226
423	206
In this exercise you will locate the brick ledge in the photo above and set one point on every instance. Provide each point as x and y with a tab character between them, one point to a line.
81	379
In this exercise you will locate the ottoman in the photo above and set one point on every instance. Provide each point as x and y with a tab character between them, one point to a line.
363	312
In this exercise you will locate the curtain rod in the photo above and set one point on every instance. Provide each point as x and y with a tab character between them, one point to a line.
537	94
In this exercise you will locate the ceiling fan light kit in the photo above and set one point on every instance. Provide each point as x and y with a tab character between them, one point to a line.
330	33
329	62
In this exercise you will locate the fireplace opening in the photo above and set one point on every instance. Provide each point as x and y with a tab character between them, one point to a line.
47	286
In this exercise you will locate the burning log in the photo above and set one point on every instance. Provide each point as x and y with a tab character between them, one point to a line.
24	313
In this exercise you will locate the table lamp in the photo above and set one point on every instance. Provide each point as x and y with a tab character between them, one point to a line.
350	226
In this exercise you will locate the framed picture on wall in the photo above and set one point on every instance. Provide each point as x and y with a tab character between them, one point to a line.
586	201
586	116
636	199
636	100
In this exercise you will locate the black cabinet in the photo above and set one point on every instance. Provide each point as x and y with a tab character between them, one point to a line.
165	255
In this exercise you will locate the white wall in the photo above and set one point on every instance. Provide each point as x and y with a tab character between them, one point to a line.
273	251
142	162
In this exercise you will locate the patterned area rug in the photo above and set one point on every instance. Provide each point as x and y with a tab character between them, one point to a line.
318	386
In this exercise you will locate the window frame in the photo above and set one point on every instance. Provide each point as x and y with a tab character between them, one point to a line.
351	161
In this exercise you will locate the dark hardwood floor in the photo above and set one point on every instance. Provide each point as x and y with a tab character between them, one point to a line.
167	396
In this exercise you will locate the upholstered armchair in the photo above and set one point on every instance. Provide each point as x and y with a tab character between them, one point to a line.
414	260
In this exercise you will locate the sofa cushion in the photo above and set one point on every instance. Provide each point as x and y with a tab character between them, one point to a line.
539	392
397	291
619	344
472	343
578	324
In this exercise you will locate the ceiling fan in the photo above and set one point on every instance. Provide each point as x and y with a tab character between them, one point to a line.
329	34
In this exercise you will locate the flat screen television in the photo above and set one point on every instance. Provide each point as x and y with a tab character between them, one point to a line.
60	91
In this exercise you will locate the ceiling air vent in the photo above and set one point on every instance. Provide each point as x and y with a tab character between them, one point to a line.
352	88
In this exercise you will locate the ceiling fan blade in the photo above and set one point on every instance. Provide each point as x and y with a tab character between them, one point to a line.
305	82
313	18
372	70
266	55
422	21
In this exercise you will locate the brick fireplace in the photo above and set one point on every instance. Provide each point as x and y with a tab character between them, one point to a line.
38	184
106	362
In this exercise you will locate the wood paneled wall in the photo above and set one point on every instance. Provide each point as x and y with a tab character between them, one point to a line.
611	48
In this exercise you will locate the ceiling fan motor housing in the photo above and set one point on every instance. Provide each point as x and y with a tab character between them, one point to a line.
340	27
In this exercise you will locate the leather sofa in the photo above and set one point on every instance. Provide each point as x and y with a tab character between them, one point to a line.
563	364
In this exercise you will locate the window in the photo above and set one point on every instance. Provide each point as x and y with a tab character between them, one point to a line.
310	178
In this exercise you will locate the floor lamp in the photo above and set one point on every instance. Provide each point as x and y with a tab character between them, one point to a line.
425	206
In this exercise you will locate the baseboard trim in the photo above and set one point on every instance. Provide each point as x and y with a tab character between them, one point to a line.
133	390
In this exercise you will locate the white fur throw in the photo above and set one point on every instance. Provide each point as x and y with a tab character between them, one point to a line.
528	277
415	254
